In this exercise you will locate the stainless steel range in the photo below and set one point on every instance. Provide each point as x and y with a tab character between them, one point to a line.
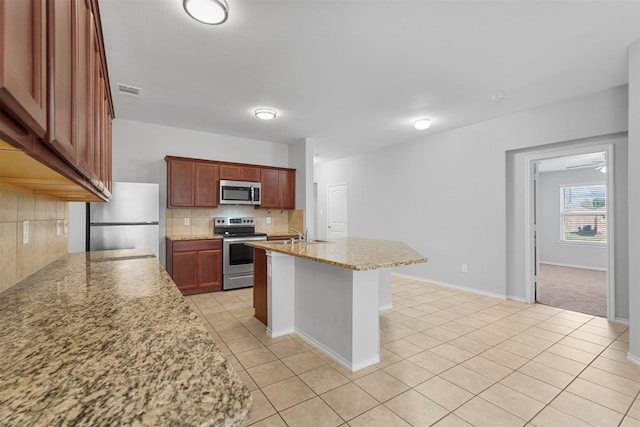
237	258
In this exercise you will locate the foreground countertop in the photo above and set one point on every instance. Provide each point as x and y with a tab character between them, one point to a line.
106	338
352	253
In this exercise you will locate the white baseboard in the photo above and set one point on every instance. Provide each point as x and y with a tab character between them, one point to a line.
385	307
620	320
275	334
633	359
573	266
336	357
462	288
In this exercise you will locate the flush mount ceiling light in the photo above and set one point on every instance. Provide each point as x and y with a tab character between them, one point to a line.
265	114
422	124
212	12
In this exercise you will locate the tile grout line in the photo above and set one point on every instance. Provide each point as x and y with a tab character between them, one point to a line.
238	317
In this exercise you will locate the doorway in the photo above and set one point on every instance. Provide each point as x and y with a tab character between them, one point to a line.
571	232
337	214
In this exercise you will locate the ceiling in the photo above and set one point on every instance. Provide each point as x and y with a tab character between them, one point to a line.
353	75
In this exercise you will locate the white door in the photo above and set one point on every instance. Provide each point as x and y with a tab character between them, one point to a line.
337	210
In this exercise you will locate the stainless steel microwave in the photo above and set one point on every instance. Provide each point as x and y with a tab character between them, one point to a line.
239	192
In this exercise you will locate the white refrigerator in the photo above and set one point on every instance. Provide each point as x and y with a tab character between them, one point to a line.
128	221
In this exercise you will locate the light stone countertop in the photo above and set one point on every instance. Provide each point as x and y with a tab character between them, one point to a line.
352	253
219	236
105	338
196	237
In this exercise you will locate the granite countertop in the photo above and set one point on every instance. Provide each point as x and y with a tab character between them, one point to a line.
106	338
282	234
352	253
219	236
196	237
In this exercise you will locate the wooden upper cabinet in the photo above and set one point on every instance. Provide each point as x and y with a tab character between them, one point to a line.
55	101
191	183
278	188
196	182
77	87
287	189
206	184
62	49
181	183
83	89
269	181
239	172
23	59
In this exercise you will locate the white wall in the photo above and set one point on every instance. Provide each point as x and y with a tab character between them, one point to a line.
450	189
77	230
139	150
301	158
634	201
551	249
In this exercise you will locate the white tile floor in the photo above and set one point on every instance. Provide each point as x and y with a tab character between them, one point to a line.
449	358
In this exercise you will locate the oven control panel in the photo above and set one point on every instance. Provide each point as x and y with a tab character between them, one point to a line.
237	221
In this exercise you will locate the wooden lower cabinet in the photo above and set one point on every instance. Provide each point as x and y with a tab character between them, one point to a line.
260	284
195	265
260	281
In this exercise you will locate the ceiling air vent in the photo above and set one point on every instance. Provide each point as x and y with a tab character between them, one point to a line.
129	90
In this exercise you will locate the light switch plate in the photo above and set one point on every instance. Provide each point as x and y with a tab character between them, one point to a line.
25	232
268	220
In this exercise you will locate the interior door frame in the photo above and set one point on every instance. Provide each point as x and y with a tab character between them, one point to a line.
335	184
531	258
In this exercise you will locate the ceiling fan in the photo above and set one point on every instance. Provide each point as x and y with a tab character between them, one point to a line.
599	165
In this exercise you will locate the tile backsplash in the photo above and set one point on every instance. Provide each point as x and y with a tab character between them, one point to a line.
46	216
200	220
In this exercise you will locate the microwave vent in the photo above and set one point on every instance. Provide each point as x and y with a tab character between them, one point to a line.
129	90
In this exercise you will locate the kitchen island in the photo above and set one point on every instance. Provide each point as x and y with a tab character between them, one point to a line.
106	338
330	293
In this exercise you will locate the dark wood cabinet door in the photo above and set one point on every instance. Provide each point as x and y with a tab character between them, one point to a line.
185	269
210	269
269	181
206	184
23	74
181	177
239	172
61	72
286	189
83	89
260	285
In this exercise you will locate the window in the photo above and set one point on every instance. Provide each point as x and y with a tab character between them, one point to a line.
584	213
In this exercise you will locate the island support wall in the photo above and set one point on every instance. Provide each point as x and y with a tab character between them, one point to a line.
335	309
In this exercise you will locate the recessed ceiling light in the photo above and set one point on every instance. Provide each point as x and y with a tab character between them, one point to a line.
265	113
212	12
500	96
422	124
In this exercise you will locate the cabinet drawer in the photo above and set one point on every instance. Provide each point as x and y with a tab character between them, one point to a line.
196	245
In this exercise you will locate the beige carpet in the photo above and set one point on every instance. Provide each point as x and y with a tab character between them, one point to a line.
577	289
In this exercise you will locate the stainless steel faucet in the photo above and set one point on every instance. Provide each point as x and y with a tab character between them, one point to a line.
299	234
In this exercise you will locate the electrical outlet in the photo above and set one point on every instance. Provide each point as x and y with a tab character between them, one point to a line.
58	227
186	221
465	268
25	232
268	220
